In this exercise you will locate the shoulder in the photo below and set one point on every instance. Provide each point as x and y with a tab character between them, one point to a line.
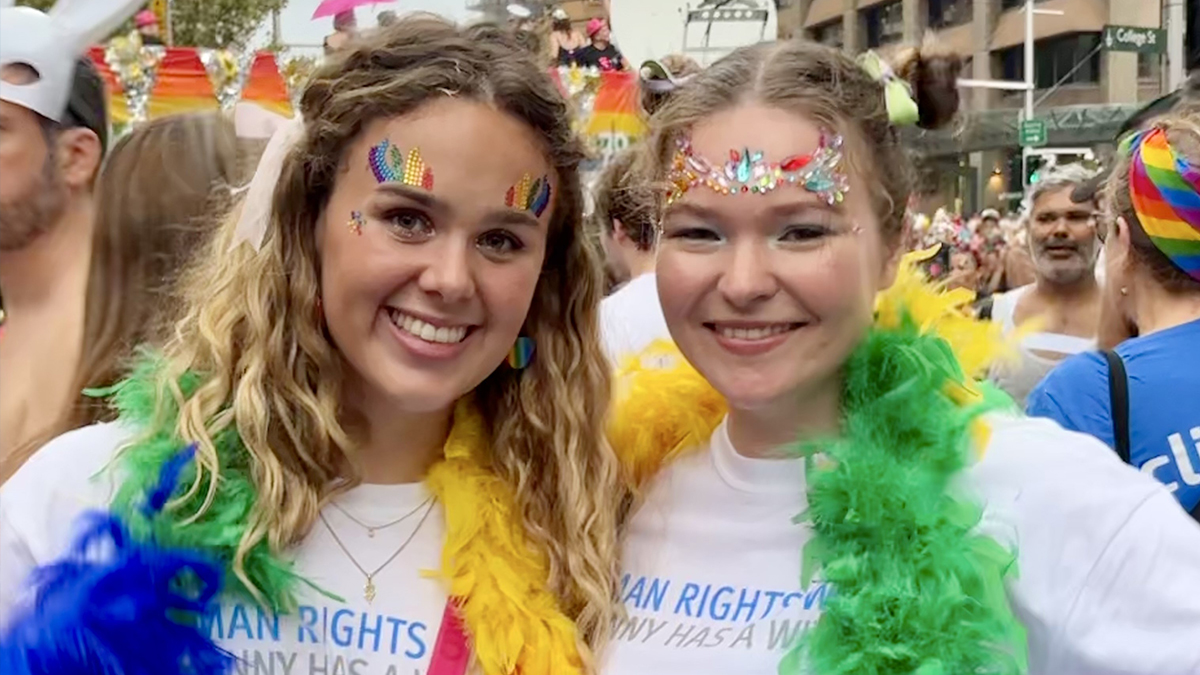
1038	458
1079	380
1100	546
1089	366
40	504
1005	304
66	477
1041	485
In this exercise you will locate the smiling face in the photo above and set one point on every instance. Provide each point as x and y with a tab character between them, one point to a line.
427	276
1062	236
767	294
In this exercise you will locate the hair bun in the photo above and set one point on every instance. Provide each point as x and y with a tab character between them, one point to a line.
932	71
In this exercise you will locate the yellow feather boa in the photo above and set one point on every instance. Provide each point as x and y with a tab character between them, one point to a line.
662	412
497	577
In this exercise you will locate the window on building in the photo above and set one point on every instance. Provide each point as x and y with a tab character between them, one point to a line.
884	24
1011	4
832	33
1055	59
943	13
1149	67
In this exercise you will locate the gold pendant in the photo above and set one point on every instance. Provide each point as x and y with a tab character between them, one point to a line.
369	590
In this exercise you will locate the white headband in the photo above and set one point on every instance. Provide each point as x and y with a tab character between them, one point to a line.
49	44
256	210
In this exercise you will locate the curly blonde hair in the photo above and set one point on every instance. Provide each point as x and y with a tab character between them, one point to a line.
250	325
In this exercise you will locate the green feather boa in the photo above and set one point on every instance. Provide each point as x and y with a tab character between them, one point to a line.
143	404
917	591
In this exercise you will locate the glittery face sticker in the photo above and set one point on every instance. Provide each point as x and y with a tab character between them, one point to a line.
529	195
819	172
357	222
391	165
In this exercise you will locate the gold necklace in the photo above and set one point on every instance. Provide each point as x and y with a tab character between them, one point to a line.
371	529
369	588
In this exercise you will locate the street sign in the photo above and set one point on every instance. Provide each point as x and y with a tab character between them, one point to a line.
1134	39
1033	133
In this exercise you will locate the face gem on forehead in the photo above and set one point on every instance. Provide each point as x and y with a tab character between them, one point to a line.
529	194
746	171
390	165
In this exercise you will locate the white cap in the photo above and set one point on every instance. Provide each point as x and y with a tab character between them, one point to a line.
559	14
50	44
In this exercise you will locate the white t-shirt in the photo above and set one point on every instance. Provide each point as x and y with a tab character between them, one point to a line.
1036	353
631	319
1109	579
393	635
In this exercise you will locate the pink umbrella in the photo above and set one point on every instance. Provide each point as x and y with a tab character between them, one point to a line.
334	7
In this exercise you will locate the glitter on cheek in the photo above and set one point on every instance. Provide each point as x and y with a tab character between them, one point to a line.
357	222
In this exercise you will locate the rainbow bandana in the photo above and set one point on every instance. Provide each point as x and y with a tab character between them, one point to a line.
1165	191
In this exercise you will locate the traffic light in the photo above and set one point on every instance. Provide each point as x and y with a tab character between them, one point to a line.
1034	166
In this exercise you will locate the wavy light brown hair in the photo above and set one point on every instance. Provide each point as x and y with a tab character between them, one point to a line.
157	193
271	372
829	87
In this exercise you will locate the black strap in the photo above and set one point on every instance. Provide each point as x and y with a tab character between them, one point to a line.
1118	392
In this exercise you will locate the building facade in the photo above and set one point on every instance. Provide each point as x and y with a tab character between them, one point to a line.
1083	91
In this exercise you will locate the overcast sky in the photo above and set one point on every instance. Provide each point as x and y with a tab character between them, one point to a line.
299	29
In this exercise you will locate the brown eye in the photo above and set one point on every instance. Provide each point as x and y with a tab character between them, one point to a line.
409	224
500	242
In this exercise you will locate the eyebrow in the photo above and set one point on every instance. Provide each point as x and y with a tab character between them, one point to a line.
418	195
502	215
778	210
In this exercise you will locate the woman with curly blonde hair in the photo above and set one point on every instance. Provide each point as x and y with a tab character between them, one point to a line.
335	414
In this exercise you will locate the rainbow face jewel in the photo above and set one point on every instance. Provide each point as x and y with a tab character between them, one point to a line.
356	222
819	172
521	353
1165	192
390	165
529	195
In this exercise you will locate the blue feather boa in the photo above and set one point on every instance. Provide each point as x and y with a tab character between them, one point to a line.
116	606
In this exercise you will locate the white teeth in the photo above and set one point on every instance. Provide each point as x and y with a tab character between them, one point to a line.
427	331
753	333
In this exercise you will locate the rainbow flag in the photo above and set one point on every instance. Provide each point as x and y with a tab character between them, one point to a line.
183	85
615	111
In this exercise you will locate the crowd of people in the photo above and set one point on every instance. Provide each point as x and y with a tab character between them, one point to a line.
398	405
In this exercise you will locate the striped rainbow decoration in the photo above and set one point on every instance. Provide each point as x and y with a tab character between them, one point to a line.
1165	191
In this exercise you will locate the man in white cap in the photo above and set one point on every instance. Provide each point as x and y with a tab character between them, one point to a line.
53	135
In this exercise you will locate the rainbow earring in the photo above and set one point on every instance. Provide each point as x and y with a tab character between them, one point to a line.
521	353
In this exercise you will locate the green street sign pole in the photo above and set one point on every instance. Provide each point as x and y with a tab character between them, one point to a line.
1134	39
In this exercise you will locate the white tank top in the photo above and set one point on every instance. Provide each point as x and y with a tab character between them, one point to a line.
1020	376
